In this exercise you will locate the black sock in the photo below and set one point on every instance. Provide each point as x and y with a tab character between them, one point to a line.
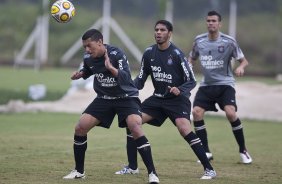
79	149
131	150
237	129
144	148
198	149
201	132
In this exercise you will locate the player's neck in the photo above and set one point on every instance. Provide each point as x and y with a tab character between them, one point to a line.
213	35
164	46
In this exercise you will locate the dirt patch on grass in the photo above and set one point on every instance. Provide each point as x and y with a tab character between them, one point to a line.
255	100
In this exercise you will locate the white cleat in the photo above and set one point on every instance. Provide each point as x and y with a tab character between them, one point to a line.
209	155
246	158
74	175
127	170
153	178
208	175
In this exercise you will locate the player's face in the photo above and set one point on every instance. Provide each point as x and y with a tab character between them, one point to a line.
162	35
213	24
94	48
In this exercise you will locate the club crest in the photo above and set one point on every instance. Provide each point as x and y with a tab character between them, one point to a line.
220	49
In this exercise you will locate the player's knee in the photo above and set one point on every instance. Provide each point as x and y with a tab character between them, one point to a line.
134	123
183	125
230	113
79	130
197	113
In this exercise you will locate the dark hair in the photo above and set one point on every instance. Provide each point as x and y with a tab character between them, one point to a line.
212	13
94	34
167	24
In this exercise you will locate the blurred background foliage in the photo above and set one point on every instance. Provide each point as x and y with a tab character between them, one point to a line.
259	25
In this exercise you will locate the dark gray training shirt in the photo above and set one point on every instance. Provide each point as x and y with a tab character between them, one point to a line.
106	85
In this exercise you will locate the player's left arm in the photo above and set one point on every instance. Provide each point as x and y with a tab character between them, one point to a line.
240	70
122	70
190	80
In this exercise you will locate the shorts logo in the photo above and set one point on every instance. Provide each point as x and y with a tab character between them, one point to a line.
220	49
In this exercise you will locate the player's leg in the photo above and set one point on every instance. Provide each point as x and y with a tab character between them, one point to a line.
200	127
85	123
228	103
185	129
237	129
131	150
203	102
134	123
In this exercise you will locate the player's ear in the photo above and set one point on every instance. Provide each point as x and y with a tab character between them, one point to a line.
170	34
100	42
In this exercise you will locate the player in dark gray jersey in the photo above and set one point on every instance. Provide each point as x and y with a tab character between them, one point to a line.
173	79
116	94
215	51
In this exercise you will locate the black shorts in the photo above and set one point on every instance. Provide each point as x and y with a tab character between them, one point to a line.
207	96
160	109
105	110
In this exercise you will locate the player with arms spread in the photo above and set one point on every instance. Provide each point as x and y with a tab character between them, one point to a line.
215	51
173	79
116	94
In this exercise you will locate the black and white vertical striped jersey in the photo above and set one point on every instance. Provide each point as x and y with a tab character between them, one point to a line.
215	57
167	67
105	84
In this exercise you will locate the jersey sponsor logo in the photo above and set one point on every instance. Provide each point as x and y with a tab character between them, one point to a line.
161	76
141	70
185	69
120	64
208	62
105	81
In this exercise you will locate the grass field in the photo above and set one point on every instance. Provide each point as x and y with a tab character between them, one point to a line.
37	149
15	82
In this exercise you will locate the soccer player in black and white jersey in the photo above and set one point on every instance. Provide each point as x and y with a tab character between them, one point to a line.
116	94
215	51
173	79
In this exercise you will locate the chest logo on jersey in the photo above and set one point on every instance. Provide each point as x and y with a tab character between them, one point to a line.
169	60
220	49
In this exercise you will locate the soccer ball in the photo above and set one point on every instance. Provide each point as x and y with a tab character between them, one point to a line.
62	11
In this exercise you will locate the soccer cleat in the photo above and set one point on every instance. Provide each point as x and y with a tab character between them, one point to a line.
153	178
246	158
127	170
208	174
209	155
74	175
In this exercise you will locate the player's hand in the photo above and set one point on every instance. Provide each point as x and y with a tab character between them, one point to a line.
76	75
108	63
239	72
174	90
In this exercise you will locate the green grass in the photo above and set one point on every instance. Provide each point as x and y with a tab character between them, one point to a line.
15	82
36	148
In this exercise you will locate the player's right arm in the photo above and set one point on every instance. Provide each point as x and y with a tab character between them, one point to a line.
194	53
144	72
76	75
